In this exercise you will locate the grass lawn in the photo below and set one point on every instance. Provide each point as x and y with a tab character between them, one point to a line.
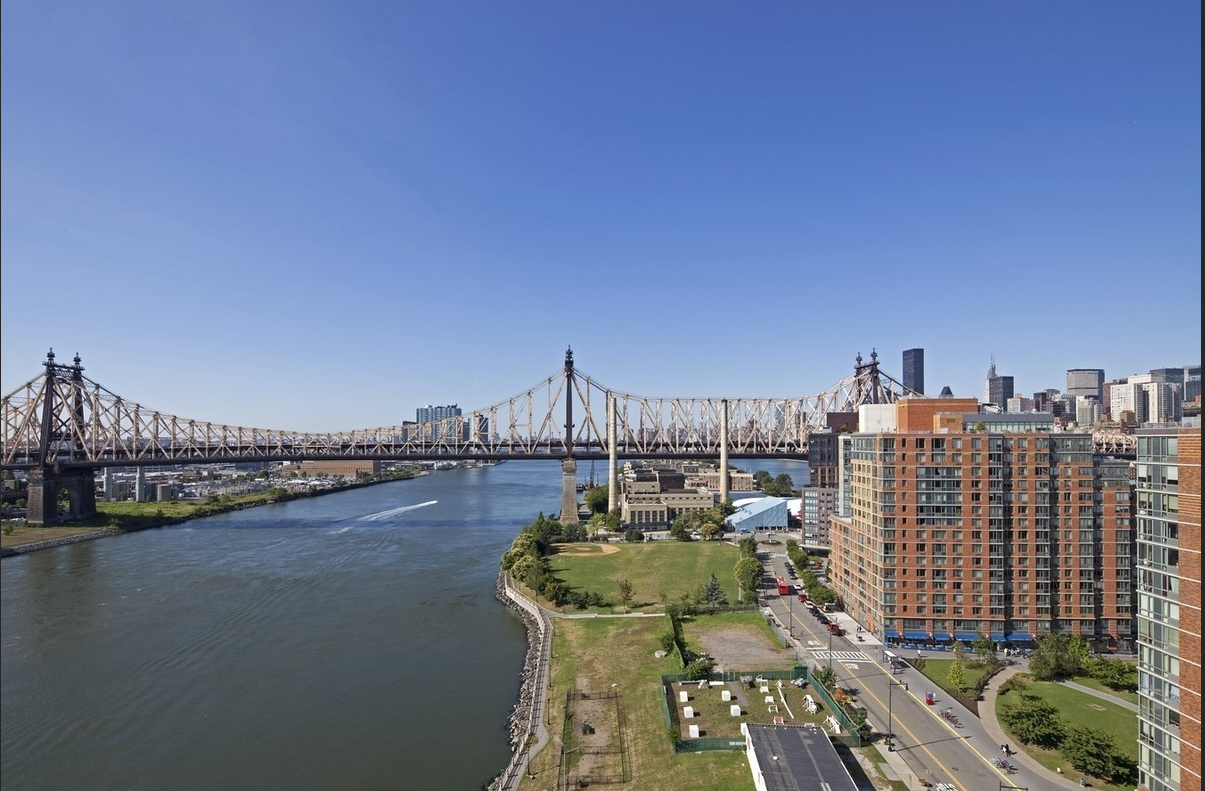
1088	681
657	570
938	672
1079	709
591	655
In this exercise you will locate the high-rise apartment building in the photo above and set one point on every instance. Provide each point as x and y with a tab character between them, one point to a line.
815	509
1168	523
1086	382
914	370
430	419
956	533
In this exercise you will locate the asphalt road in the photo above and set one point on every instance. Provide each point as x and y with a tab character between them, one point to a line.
931	747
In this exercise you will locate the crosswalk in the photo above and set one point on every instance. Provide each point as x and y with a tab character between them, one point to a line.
841	656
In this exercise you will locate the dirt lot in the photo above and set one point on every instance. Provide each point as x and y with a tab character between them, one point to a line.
741	648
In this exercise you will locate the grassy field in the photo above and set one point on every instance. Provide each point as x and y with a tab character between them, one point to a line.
1088	681
938	671
1079	708
594	654
659	571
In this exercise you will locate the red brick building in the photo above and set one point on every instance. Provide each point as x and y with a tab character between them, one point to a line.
952	534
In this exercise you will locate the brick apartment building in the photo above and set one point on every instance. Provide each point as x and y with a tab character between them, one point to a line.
948	532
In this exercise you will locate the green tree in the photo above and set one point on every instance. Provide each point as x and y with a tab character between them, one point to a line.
1094	752
985	648
825	677
699	669
1114	673
1033	721
712	592
597	499
747	546
957	675
1056	656
625	590
633	536
748	574
710	531
680	529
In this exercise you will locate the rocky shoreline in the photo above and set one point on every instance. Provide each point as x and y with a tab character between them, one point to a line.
524	719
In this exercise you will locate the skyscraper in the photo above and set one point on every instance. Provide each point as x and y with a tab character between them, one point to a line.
997	389
1086	382
914	370
1168	526
430	417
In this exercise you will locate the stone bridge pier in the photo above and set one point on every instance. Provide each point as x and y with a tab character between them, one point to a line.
42	504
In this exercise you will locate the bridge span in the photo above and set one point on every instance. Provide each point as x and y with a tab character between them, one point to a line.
61	426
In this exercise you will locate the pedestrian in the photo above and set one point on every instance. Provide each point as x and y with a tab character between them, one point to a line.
1008	750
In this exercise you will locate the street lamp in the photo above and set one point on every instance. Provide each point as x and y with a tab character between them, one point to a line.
830	650
891	683
790	616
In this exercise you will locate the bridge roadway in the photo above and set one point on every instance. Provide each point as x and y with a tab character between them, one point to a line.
927	747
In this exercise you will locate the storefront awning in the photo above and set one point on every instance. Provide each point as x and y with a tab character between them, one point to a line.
998	637
916	635
892	635
966	637
1019	637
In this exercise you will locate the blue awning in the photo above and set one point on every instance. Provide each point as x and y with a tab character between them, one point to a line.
892	635
998	637
1019	637
941	637
966	637
916	635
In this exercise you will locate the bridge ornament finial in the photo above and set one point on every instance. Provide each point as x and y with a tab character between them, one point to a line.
874	356
568	359
858	360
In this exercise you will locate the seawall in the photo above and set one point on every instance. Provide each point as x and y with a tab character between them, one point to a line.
526	725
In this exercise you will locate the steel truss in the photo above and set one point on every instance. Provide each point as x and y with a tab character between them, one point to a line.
63	419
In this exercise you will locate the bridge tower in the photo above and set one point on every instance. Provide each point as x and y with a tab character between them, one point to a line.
61	425
569	465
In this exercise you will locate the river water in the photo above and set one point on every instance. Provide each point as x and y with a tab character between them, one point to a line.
349	642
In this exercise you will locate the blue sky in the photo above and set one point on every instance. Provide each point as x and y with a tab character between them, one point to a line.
320	216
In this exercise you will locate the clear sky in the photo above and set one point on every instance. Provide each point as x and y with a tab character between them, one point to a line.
322	215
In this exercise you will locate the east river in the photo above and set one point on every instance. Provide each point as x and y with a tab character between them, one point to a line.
349	642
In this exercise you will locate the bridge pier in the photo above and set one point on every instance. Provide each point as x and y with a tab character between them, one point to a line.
42	503
569	492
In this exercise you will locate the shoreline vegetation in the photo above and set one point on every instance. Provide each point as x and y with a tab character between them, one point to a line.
118	518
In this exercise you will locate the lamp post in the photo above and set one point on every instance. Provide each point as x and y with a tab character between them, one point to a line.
790	616
891	683
830	650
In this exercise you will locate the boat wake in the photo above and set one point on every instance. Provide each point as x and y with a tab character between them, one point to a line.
392	512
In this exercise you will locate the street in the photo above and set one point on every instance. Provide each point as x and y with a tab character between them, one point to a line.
955	750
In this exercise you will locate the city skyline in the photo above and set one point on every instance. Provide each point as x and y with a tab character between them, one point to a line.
326	218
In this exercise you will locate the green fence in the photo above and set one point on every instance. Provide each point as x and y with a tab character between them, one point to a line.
706	745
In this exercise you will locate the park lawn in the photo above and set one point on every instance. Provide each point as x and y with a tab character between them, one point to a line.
592	654
659	571
1079	709
938	672
1088	681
